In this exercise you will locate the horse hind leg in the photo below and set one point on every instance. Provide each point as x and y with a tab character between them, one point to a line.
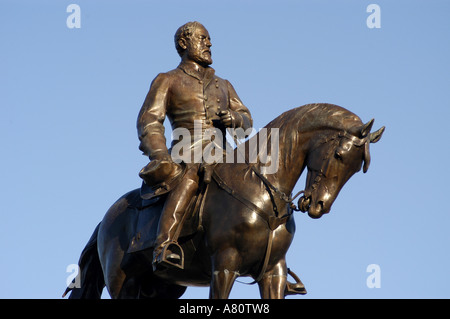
144	287
152	287
115	281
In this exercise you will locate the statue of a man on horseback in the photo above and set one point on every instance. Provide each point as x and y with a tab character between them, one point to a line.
191	92
241	224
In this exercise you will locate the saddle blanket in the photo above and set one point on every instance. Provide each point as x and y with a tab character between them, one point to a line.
148	219
147	224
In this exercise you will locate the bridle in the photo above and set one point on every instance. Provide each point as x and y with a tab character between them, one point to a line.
322	171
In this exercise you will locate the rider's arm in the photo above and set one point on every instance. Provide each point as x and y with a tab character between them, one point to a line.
240	114
150	122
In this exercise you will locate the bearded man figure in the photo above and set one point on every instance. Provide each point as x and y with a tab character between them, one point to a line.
187	95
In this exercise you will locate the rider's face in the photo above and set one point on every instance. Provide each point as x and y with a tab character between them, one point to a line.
198	47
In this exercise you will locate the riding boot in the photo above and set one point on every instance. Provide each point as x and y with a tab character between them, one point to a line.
167	251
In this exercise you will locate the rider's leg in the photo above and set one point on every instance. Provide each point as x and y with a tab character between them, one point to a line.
176	204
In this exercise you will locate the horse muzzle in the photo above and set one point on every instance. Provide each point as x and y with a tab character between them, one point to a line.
315	209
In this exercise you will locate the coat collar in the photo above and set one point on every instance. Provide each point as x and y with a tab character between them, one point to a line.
193	69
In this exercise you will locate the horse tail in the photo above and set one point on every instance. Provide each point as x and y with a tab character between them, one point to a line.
89	282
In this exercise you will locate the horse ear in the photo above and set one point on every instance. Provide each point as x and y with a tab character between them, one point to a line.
375	136
365	130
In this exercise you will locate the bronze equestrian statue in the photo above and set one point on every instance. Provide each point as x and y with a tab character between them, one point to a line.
236	218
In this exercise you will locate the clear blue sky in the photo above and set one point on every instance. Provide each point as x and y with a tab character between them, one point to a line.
69	100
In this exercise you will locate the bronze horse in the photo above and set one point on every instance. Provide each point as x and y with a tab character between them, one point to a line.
245	224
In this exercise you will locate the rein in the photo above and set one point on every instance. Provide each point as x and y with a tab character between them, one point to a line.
281	195
269	186
272	221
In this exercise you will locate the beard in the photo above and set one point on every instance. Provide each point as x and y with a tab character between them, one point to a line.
202	57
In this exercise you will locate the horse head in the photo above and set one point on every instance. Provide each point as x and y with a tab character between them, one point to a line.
333	159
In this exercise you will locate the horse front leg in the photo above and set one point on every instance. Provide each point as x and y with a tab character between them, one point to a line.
273	284
224	274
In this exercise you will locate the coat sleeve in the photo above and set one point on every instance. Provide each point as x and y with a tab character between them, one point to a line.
241	114
150	122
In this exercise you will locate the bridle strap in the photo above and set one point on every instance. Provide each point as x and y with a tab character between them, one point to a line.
270	187
272	221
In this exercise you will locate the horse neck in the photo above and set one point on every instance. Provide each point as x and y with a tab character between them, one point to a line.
293	148
299	130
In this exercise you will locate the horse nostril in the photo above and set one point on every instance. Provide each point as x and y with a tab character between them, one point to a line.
321	204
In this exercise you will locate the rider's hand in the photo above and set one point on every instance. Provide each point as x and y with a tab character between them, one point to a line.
162	156
226	117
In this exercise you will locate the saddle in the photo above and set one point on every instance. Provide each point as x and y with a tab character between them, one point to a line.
149	213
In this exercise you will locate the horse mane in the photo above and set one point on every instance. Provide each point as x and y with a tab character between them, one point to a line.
307	118
316	116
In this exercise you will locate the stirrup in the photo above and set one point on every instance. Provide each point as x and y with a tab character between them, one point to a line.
172	255
297	288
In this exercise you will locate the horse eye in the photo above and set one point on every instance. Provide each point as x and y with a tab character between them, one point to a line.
338	155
